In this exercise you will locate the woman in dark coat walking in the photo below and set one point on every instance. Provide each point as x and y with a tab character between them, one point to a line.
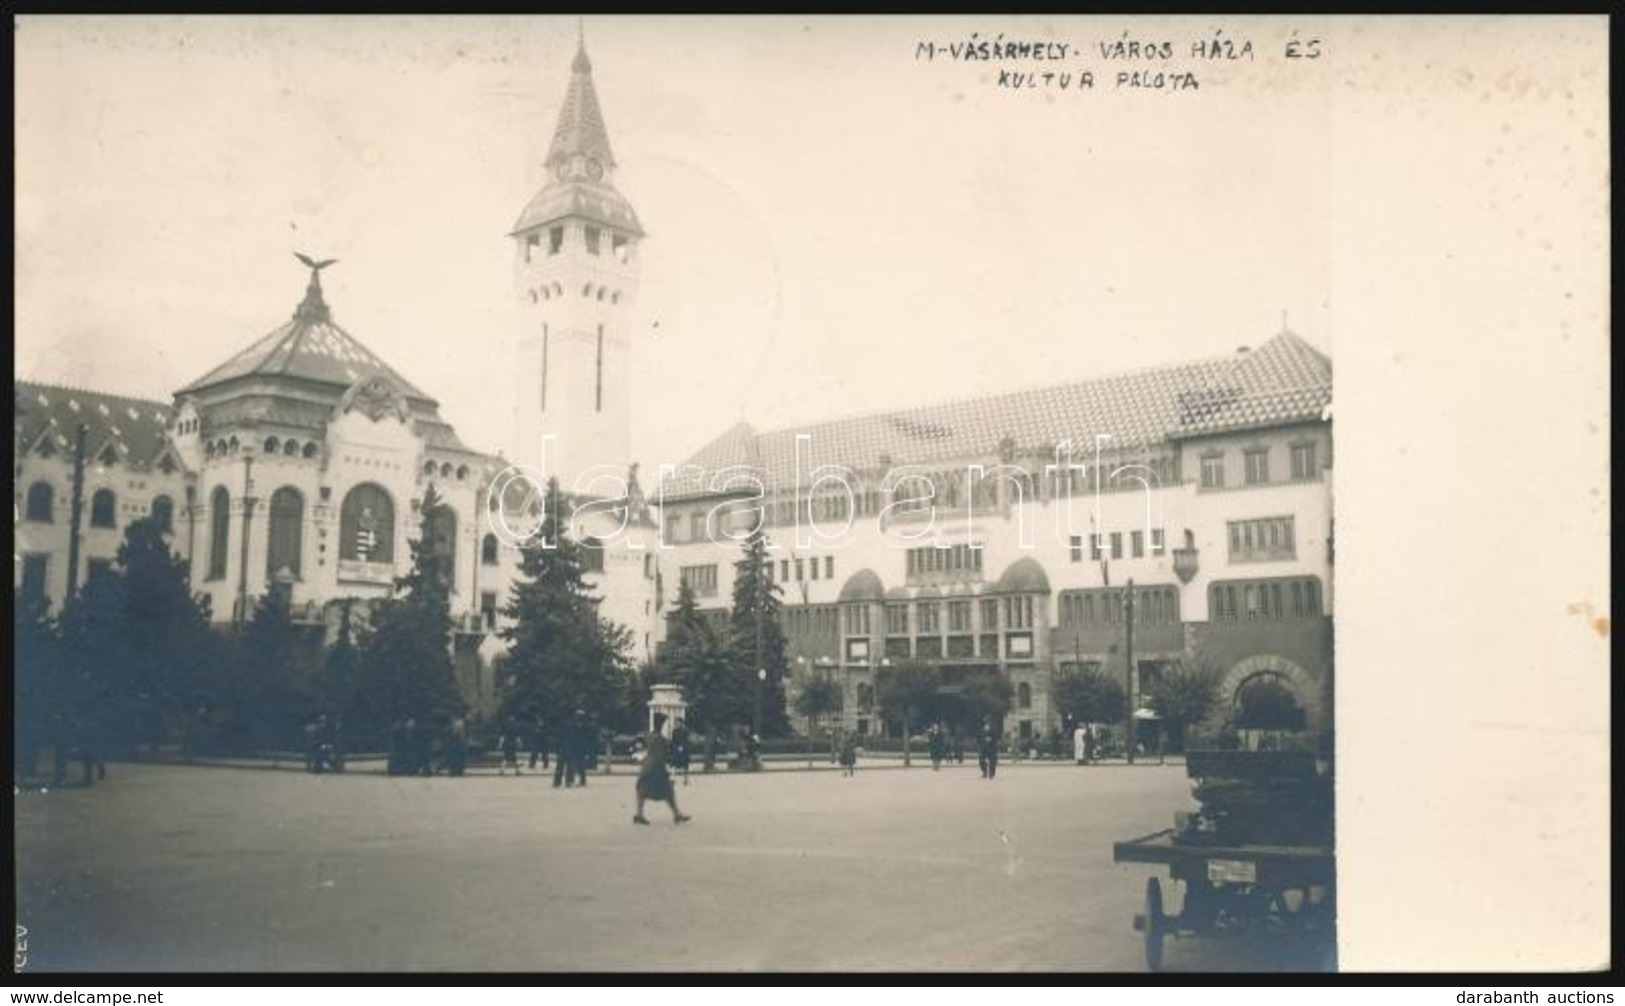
654	780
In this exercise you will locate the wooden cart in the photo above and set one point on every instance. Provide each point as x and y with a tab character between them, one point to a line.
1232	887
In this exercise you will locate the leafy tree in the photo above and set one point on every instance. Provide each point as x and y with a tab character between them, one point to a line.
407	669
909	691
35	646
1089	696
755	637
562	656
982	695
818	698
1183	696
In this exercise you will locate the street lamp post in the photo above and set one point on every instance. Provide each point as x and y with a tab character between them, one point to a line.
1128	673
756	721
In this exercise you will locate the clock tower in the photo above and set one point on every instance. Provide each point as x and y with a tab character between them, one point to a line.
575	275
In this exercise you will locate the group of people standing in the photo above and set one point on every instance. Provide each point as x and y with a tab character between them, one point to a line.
569	747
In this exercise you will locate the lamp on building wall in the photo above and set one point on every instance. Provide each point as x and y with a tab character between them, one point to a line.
1186	559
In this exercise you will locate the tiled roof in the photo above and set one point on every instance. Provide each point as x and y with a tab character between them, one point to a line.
310	347
579	199
136	428
580	128
1285	380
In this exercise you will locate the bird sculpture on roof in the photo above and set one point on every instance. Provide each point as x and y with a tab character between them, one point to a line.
316	266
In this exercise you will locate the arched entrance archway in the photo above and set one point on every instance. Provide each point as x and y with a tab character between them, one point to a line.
1270	669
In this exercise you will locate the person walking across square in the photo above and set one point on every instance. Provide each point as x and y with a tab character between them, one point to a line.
654	778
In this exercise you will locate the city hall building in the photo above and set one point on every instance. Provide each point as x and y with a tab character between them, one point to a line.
999	532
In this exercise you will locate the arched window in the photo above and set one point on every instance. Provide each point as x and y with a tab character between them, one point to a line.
367	525
428	468
1024	696
163	513
219	531
488	550
41	500
462	472
287	532
310	450
291	448
592	555
445	470
103	509
272	445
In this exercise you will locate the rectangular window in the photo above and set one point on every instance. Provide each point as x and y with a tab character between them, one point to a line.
98	568
1156	540
1303	462
532	242
829	567
959	616
1268	540
1077	548
619	247
857	619
1097	546
488	608
1213	472
593	236
1136	543
696	526
1258	467
35	568
800	569
990	615
700	579
813	568
1117	544
784	570
555	240
598	403
674	527
896	619
930	615
544	368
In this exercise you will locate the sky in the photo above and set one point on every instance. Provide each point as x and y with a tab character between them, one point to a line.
835	225
838	225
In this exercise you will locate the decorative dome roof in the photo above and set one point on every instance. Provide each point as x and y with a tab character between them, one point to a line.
311	347
864	585
1024	576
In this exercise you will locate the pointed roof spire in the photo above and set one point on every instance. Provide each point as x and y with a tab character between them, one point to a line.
580	128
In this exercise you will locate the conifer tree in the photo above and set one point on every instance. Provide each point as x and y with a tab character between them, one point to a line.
693	658
562	656
407	666
755	638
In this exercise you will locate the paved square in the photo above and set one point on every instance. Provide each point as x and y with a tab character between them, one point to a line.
193	868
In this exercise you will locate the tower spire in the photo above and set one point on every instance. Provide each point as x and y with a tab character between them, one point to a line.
580	134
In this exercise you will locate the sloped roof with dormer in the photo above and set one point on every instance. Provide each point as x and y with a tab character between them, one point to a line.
1285	380
136	429
310	347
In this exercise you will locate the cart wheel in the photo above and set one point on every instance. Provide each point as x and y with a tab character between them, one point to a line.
1156	924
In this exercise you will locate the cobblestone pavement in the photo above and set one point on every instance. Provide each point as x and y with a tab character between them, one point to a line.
177	868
